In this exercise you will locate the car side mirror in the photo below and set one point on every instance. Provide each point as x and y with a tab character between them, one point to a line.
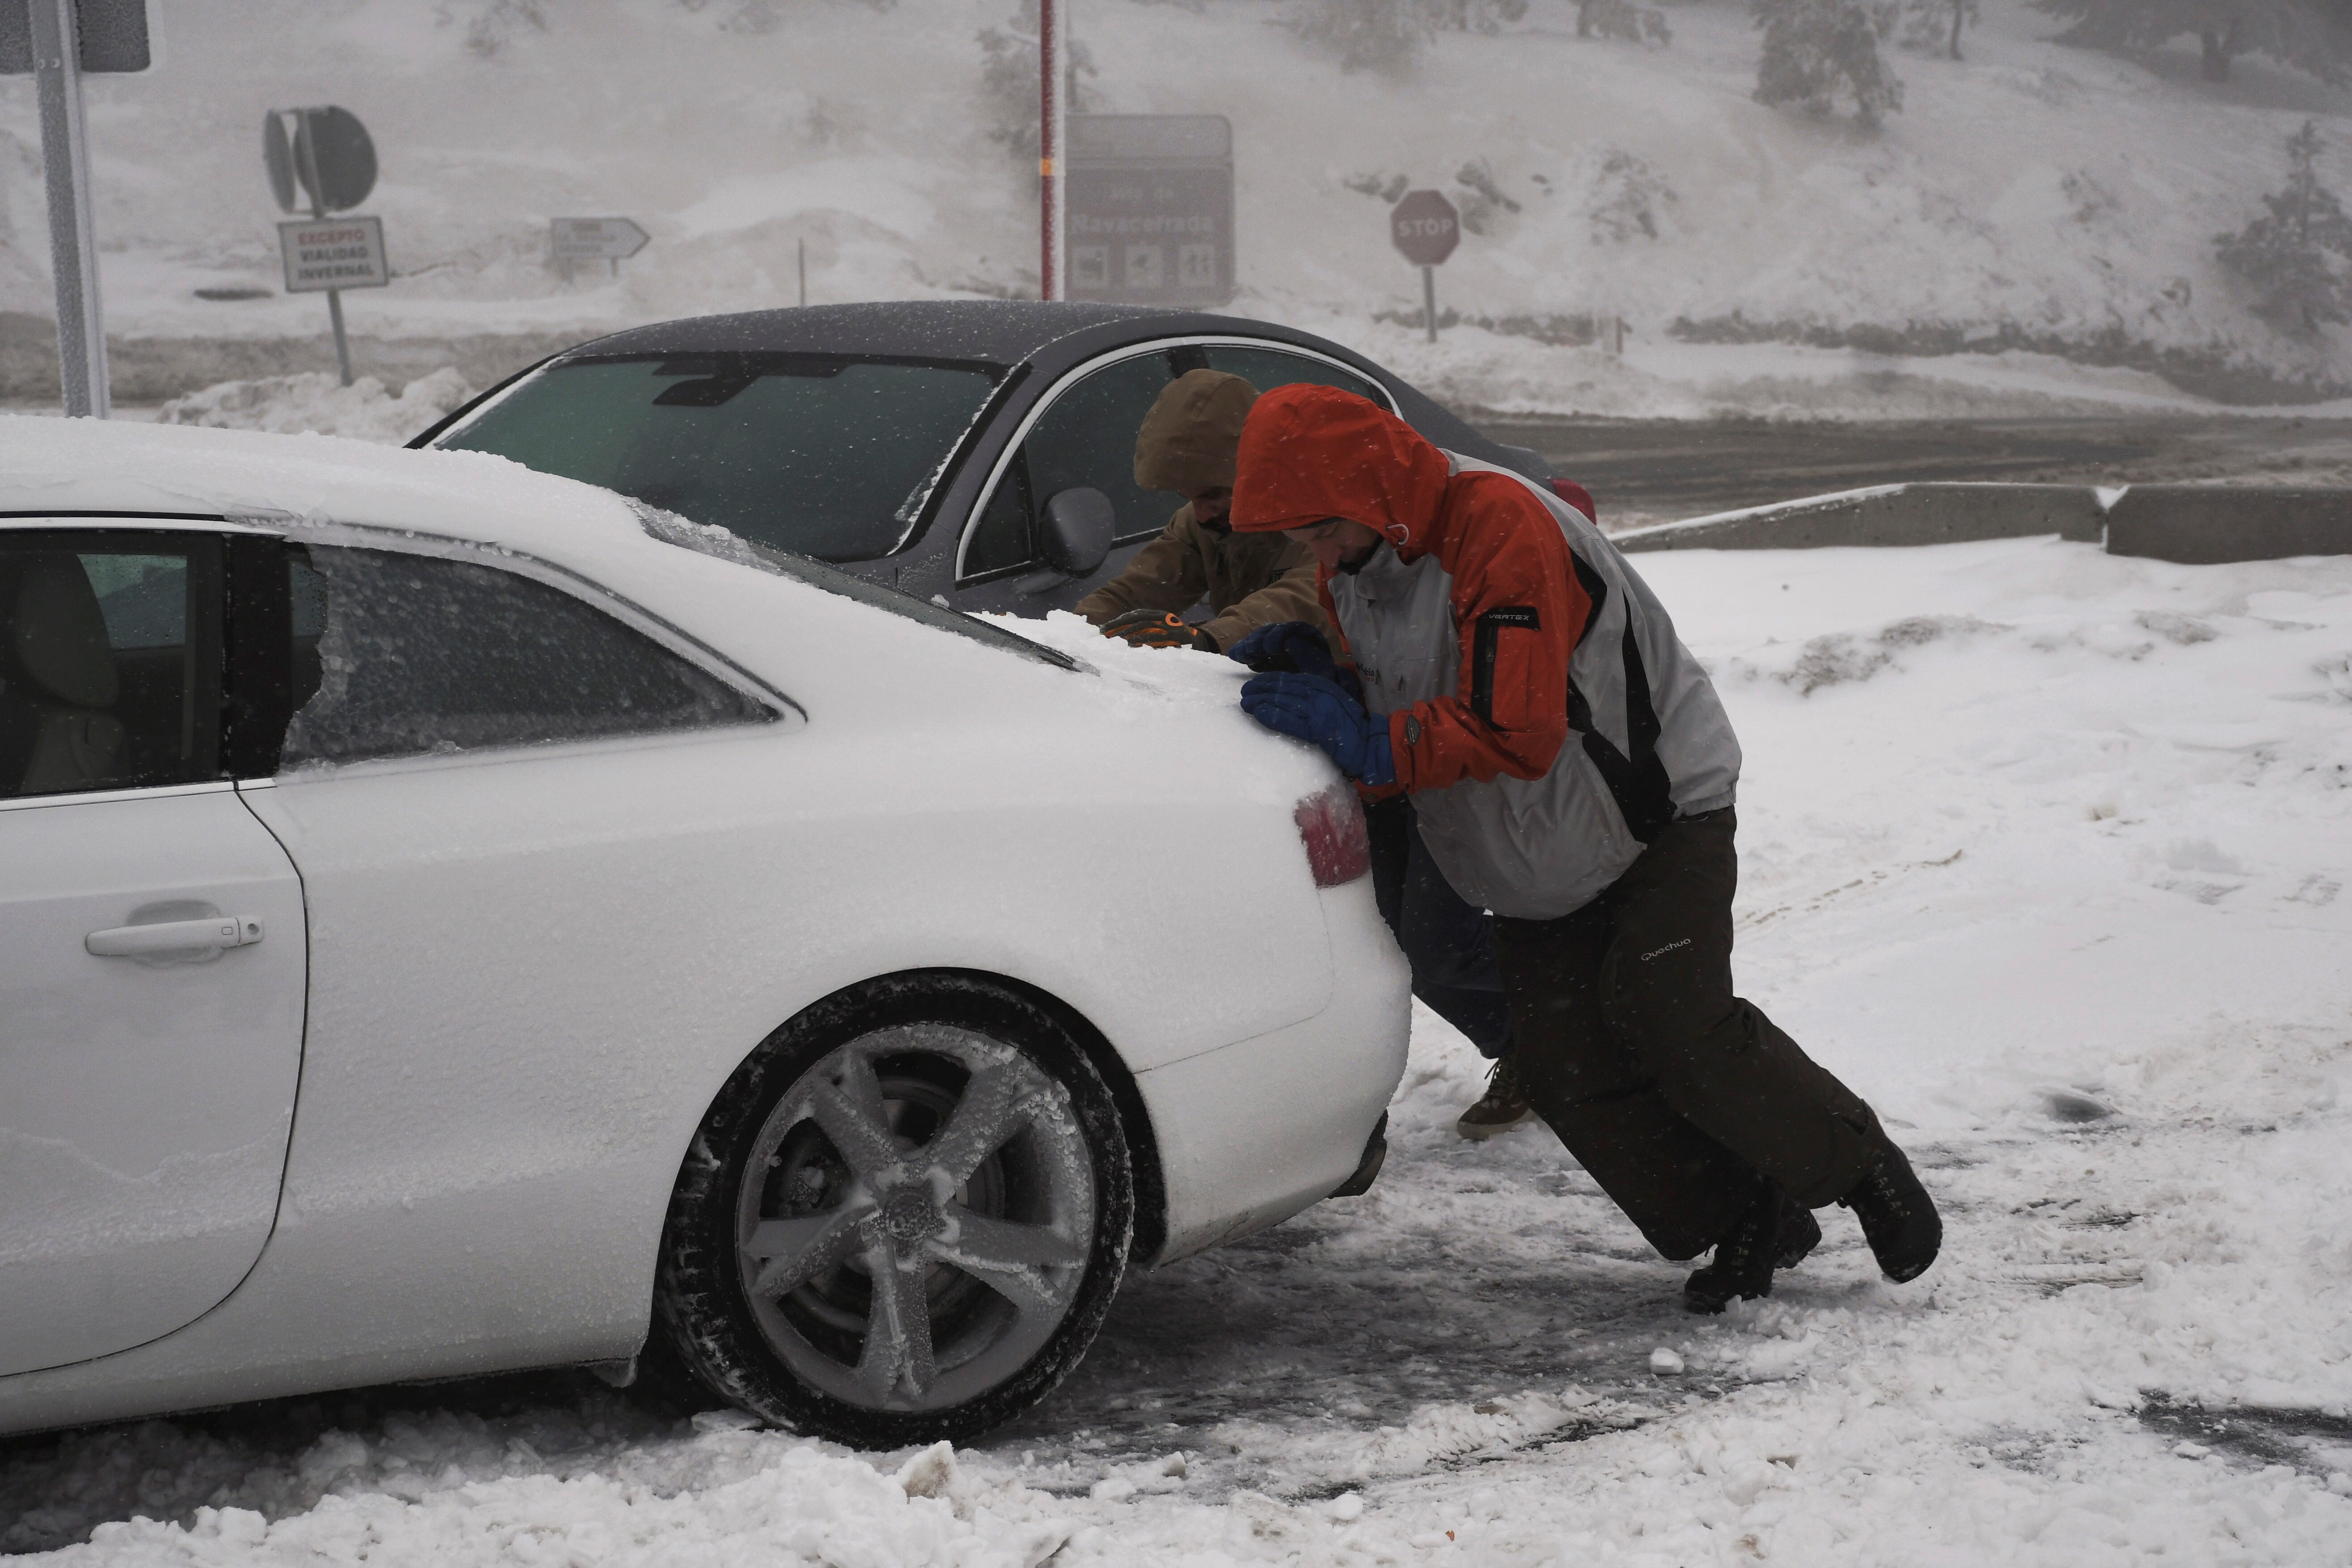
1074	532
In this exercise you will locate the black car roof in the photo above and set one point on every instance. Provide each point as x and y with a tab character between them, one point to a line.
1048	337
992	331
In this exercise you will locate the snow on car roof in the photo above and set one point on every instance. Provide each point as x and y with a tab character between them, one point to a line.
52	466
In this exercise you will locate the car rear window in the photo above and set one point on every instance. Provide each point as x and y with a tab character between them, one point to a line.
398	655
823	455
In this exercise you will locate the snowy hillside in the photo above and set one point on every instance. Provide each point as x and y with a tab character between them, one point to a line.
2045	201
2042	849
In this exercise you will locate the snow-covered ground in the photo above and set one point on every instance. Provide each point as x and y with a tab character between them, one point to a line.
2058	196
2046	852
316	402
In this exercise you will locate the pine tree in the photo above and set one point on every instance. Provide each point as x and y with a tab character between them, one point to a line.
1383	34
1812	48
1935	25
2299	255
491	25
2300	34
1475	16
1008	80
1622	19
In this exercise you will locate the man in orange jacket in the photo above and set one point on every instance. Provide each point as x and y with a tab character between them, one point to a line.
1573	772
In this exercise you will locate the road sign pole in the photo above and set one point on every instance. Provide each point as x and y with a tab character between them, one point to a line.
343	343
309	143
1052	71
1425	228
73	253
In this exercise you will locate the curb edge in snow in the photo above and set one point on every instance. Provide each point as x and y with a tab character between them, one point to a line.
2193	524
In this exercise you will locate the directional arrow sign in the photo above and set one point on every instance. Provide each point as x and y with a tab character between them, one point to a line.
594	238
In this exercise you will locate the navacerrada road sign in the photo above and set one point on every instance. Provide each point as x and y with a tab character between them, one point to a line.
1150	201
1425	228
323	254
611	240
56	41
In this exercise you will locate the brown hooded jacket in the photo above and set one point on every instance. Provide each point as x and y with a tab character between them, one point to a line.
1187	443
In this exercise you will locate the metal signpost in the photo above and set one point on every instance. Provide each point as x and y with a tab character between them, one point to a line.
611	240
330	156
1151	208
1052	72
1426	228
56	41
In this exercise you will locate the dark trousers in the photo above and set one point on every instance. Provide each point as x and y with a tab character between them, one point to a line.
1673	1093
1444	938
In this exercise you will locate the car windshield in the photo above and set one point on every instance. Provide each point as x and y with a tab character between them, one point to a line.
824	455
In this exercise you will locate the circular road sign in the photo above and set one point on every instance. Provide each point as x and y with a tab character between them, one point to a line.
333	139
1425	228
277	157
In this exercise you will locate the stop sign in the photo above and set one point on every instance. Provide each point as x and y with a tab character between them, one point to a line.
1425	227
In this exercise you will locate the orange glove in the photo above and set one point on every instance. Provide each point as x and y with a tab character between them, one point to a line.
1151	628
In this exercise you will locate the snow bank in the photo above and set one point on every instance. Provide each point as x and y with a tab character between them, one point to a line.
316	401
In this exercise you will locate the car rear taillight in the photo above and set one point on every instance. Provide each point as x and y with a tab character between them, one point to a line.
1332	826
1576	496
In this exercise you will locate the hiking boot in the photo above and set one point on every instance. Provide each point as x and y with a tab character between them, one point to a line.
1501	1108
1742	1265
1898	1219
1800	1234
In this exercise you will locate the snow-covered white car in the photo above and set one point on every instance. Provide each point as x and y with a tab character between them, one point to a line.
454	919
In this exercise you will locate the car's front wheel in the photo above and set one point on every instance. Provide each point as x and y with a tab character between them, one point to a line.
903	1219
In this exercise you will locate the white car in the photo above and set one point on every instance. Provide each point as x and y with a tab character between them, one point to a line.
455	919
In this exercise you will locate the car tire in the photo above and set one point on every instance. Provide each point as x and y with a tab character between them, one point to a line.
942	1134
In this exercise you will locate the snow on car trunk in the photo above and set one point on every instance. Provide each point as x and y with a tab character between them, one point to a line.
2046	852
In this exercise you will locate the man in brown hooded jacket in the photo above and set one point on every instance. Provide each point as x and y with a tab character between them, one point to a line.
1186	445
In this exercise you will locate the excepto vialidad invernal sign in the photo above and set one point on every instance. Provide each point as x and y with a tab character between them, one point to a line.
333	253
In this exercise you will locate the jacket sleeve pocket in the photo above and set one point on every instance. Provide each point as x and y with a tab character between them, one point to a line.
1485	651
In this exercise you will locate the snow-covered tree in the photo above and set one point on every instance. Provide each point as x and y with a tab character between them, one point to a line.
1475	16
2300	34
2299	255
1376	35
1935	25
1622	19
1815	49
1008	79
491	25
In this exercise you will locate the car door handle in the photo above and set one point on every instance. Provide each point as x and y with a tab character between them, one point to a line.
173	936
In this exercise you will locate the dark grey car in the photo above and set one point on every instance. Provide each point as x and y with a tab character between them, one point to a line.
980	452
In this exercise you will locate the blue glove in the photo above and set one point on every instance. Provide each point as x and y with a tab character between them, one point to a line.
1312	708
1295	647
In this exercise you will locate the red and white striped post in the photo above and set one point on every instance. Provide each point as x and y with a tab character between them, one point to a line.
1053	75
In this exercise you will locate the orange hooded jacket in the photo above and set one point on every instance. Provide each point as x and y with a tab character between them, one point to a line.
1308	453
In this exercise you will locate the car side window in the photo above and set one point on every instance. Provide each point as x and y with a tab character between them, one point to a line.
1267	369
1085	437
110	659
1004	536
398	655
